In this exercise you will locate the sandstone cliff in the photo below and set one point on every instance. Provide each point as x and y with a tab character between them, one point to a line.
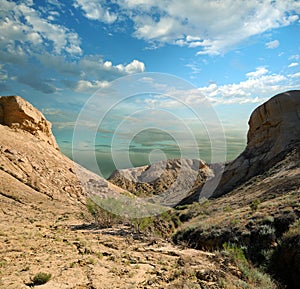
29	153
274	129
19	114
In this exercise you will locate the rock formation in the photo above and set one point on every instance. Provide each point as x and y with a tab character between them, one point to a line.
274	129
176	178
29	153
17	113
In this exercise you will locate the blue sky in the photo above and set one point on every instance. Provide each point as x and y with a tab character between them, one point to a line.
237	54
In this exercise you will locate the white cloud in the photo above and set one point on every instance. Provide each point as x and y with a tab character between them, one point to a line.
293	64
95	10
295	75
135	66
272	44
89	86
92	71
210	25
94	65
24	26
259	86
3	73
257	73
294	57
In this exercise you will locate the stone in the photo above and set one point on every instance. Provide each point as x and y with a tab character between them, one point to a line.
17	113
274	130
173	180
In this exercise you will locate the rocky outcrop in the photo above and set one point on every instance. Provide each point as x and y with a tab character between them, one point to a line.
19	114
274	129
29	155
172	180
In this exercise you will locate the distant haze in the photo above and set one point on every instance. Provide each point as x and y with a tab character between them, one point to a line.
145	153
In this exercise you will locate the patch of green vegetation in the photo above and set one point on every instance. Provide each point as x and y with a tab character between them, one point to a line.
250	274
3	263
91	261
284	263
162	225
227	209
255	205
41	278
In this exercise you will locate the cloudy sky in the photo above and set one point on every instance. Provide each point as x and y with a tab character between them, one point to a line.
235	54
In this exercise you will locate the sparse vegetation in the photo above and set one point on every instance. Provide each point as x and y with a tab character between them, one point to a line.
249	273
162	225
41	278
102	217
284	261
255	205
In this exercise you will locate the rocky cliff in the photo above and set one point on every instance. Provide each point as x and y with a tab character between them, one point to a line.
274	129
19	114
29	153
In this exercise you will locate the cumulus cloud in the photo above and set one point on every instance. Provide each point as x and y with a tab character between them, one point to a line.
93	72
31	39
213	27
89	86
96	10
94	65
23	26
272	44
257	88
134	67
257	73
293	64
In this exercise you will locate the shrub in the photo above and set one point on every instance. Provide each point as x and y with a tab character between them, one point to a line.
162	225
234	252
41	278
142	224
101	216
255	205
250	274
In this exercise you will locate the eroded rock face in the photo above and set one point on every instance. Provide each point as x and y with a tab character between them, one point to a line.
172	180
274	129
29	154
17	113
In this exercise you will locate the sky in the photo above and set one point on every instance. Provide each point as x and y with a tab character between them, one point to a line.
204	67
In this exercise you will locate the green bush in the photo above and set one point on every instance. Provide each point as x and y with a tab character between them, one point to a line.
234	252
41	278
102	217
255	205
